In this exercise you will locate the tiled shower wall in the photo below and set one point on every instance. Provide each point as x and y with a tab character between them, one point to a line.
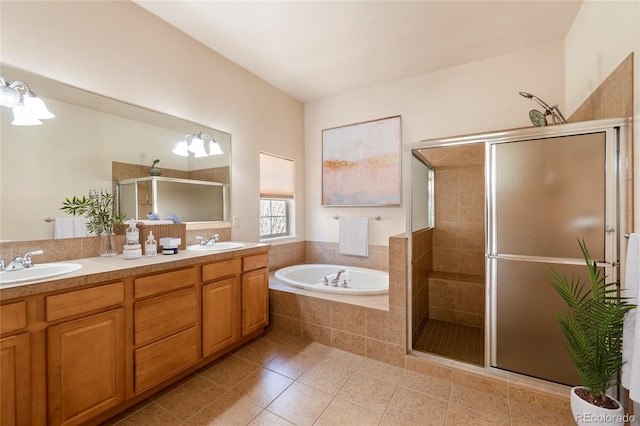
421	267
456	286
458	237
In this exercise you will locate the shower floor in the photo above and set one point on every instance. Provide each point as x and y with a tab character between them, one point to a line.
456	341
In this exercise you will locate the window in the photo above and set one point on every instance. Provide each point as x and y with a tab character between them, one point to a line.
273	217
276	195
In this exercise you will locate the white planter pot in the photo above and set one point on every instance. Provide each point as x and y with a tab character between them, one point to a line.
586	413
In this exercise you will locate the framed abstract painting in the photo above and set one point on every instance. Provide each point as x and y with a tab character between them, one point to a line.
361	164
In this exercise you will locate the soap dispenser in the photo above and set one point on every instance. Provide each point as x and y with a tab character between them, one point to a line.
150	246
132	235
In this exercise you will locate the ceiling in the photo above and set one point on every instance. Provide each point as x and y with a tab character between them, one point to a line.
316	49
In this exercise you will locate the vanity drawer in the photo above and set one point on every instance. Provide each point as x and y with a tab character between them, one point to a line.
83	301
164	358
217	270
164	282
163	315
257	261
14	317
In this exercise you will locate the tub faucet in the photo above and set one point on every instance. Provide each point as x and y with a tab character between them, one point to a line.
22	262
334	282
2	268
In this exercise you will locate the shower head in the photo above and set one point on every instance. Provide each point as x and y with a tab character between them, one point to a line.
542	103
553	111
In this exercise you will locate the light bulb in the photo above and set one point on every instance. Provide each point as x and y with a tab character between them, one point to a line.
181	149
214	148
37	106
196	144
23	116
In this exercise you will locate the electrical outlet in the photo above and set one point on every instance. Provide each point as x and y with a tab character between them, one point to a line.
235	220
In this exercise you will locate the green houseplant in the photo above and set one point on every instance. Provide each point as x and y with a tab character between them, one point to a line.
593	336
98	207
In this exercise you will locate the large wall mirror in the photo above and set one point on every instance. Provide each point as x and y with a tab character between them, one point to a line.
92	142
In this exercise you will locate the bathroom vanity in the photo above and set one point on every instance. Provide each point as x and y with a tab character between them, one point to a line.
89	344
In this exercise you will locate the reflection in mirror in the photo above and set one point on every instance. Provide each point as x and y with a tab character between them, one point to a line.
92	143
190	200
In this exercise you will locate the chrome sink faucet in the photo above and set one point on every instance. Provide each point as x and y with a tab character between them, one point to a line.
21	262
208	241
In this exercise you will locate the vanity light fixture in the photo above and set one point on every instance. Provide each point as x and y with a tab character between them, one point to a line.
28	109
195	144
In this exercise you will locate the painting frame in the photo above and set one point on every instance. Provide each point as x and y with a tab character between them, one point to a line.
362	164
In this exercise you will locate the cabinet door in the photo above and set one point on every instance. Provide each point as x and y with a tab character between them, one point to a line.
220	315
255	300
14	380
85	367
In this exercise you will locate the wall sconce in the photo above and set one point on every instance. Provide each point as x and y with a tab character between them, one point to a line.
28	109
195	144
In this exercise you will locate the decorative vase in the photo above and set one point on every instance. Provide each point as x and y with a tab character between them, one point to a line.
107	244
586	413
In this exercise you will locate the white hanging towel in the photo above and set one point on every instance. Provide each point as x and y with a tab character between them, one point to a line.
631	332
63	227
70	227
80	226
354	236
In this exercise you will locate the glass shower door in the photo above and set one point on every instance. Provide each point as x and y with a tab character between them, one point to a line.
545	194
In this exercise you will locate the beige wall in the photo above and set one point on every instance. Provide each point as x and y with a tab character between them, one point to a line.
117	49
476	97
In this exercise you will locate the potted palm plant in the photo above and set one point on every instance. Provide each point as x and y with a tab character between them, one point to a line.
99	209
592	327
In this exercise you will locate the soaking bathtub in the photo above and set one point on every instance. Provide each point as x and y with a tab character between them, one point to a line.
312	277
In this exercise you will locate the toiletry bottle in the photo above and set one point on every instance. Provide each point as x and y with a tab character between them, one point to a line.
132	235
150	246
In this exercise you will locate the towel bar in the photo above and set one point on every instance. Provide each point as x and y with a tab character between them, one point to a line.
336	217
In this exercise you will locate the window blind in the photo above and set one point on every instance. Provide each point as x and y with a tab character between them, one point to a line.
276	176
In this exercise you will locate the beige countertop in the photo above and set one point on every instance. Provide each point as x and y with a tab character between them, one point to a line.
101	269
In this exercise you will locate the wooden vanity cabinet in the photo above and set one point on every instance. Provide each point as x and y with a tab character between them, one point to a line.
165	323
80	356
255	293
85	354
14	365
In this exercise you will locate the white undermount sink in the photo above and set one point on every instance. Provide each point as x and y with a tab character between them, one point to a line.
39	271
225	245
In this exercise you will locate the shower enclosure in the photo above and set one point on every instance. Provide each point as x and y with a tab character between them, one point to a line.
508	206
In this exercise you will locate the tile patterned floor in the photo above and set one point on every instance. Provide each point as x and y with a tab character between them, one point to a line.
280	379
455	341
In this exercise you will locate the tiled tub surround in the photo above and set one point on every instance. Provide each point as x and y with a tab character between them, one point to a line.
371	326
379	335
